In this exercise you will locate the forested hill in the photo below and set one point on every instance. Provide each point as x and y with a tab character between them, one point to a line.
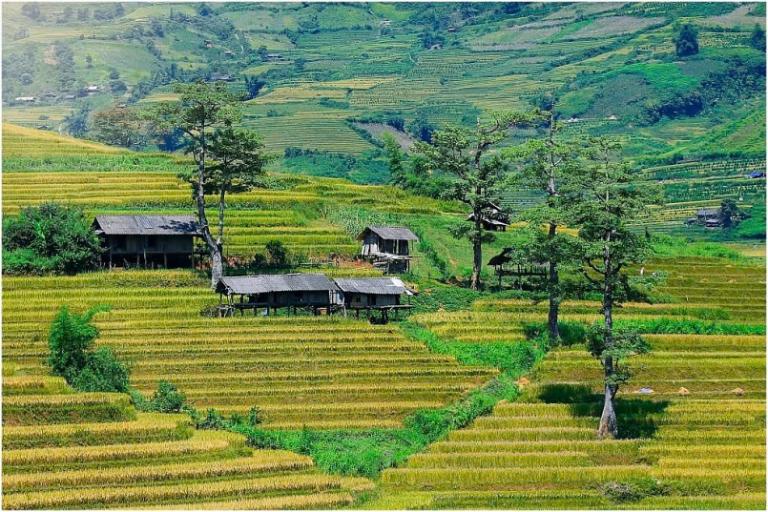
326	80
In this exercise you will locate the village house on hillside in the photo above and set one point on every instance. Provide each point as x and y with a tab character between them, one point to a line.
510	263
373	293
708	217
388	247
271	292
314	292
493	218
147	240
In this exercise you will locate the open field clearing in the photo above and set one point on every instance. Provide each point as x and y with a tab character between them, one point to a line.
313	371
697	438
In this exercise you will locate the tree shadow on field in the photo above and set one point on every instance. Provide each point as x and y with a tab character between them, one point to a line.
636	416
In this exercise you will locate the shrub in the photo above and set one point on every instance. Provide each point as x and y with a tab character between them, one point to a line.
70	342
277	254
254	416
167	398
571	333
70	338
213	420
634	490
49	238
102	372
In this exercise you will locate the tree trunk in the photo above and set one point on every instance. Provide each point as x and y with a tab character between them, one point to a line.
477	251
608	427
554	293
220	239
214	250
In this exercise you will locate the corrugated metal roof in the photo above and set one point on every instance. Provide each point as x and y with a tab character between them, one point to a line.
391	233
373	285
147	224
252	285
488	220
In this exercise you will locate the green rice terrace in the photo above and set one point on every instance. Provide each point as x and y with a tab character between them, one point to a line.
455	395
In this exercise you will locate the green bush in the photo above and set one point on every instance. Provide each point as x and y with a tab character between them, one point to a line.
277	254
70	342
571	333
102	372
49	238
70	338
167	398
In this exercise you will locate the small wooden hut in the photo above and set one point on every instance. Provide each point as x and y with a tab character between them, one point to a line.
382	294
508	263
493	218
314	292
147	240
388	247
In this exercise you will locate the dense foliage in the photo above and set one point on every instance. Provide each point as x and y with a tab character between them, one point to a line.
49	238
71	339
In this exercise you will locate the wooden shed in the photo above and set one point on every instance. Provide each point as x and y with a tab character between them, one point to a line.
388	246
272	292
493	218
373	292
516	265
147	240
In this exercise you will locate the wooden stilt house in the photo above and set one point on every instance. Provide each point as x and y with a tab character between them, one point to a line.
313	292
147	240
388	247
384	294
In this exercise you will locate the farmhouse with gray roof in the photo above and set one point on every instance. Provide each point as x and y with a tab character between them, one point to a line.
314	292
279	291
388	246
147	240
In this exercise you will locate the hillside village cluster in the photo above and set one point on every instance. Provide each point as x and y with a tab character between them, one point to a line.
168	241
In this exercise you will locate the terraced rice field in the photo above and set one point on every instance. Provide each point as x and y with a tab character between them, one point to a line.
292	215
28	142
311	371
92	450
697	440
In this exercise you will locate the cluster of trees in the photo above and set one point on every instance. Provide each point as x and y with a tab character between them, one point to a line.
50	238
586	186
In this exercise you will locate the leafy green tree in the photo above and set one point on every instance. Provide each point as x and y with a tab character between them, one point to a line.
201	109
730	214
606	198
757	39
686	41
239	161
477	175
70	338
253	85
49	238
395	158
119	127
277	253
76	122
546	164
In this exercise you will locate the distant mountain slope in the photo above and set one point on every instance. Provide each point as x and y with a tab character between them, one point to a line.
324	66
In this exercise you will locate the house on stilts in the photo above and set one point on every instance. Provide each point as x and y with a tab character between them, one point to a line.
147	240
388	247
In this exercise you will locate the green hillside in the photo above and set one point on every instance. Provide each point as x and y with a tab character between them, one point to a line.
460	401
613	66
